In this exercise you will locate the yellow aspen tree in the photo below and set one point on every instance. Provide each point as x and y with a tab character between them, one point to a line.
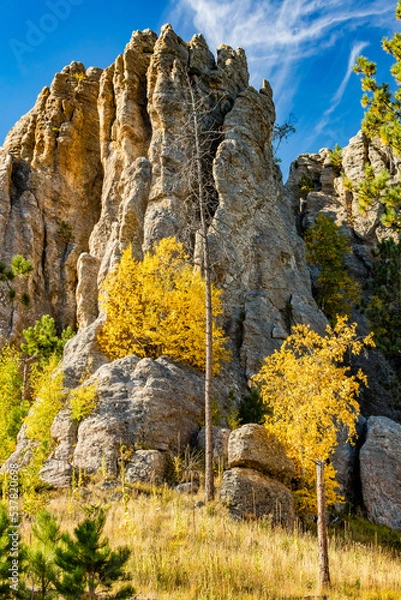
311	395
157	306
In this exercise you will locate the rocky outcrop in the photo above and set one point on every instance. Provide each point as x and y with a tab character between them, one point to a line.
148	407
345	460
249	493
332	196
50	194
103	161
380	465
252	447
146	466
258	468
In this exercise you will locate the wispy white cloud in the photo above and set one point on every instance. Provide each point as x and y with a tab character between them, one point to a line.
282	38
278	31
337	97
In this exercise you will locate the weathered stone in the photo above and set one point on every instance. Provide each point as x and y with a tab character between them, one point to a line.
87	290
332	196
346	462
82	355
146	466
99	163
189	487
220	443
249	493
380	465
153	404
57	469
57	473
262	266
56	177
251	446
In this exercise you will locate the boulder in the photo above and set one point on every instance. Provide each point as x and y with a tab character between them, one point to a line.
249	493
188	487
380	465
251	446
155	405
147	466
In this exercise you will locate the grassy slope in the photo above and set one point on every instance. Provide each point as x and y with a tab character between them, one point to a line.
182	552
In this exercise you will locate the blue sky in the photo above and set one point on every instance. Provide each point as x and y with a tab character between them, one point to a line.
305	48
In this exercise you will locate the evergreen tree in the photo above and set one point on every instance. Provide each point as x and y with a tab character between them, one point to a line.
87	562
42	340
383	120
20	267
42	572
335	291
384	307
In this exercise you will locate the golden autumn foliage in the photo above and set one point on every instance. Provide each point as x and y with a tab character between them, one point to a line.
13	408
48	390
312	395
157	306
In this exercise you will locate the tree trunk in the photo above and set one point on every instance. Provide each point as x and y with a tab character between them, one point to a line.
26	392
209	477
324	573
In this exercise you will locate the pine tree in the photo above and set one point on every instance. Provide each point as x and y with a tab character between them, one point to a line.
20	267
335	291
42	340
382	120
384	307
42	572
87	562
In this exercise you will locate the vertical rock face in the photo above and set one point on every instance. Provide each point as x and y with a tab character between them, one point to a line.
331	196
51	173
101	162
104	160
260	260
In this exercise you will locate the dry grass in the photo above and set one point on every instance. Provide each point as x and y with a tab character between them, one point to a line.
180	552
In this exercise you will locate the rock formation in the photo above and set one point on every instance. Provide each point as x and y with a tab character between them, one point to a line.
331	196
380	460
258	468
102	161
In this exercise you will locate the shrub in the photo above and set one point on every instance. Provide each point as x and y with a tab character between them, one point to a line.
82	401
336	157
305	186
